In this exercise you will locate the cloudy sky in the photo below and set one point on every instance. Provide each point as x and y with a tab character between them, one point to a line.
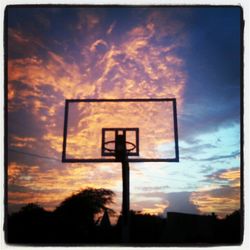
191	54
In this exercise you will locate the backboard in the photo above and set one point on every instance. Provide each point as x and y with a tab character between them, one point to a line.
88	123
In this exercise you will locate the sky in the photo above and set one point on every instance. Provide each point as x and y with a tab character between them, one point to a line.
191	54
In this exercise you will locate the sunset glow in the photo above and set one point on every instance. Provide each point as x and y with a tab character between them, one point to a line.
54	54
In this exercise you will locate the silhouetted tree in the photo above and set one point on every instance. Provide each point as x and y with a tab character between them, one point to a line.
31	209
83	205
75	215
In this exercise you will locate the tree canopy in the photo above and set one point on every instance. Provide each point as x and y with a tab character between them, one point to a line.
83	205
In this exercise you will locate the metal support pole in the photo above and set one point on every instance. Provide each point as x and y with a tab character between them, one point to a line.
125	202
121	155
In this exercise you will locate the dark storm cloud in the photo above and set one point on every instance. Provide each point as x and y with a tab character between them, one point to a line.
180	202
208	117
213	63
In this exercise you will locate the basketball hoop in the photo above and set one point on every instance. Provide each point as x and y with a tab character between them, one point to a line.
112	150
120	142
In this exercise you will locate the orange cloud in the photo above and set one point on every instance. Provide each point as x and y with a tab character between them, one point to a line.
54	141
56	73
156	209
21	142
14	170
97	43
129	67
231	175
11	92
149	73
221	199
55	184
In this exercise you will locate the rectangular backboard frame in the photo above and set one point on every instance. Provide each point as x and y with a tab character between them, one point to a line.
102	160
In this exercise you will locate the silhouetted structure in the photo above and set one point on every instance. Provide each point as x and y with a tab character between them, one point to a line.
145	228
73	222
105	222
190	228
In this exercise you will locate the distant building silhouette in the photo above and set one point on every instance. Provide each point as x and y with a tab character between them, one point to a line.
190	227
